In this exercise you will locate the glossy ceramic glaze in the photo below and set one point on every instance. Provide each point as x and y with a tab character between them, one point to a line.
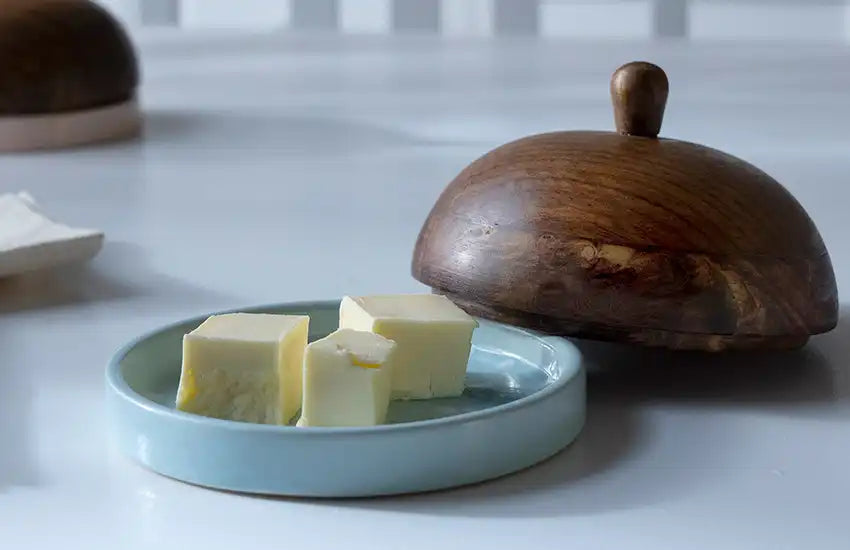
524	401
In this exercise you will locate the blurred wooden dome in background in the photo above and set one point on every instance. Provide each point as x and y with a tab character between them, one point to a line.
69	75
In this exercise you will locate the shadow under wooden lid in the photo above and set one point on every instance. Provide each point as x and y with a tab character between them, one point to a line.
69	75
626	236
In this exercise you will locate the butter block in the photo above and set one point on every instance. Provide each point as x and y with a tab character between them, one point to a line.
244	367
432	334
347	378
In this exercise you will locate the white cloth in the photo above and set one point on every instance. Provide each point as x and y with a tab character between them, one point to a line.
29	240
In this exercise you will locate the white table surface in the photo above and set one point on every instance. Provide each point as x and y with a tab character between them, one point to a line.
297	168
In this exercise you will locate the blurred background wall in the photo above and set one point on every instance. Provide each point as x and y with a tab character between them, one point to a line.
794	20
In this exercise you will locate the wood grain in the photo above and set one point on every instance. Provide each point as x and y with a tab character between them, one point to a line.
639	94
62	55
618	237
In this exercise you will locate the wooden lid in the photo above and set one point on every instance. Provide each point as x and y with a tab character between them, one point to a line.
625	236
61	57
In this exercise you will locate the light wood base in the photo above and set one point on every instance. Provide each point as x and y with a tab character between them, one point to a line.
70	129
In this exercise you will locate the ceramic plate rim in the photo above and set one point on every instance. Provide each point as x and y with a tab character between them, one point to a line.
561	347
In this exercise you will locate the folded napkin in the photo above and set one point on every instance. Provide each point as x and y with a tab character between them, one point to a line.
29	240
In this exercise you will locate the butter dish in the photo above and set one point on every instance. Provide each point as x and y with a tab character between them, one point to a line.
70	76
630	236
29	240
524	400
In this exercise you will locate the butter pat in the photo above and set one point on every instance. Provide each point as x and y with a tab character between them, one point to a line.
432	334
244	367
347	378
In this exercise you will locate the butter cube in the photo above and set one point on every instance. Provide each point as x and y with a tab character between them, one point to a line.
432	334
347	377
244	367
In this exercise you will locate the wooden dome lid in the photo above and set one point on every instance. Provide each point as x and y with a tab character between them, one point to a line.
624	236
70	75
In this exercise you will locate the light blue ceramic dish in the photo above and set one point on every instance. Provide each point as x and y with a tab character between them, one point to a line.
524	401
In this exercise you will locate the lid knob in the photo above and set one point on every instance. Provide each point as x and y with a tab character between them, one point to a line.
639	93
